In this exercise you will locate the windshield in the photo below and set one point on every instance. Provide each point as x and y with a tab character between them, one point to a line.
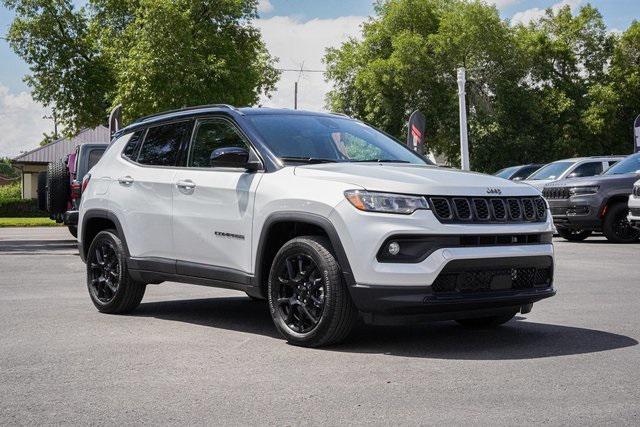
296	137
506	172
629	164
551	171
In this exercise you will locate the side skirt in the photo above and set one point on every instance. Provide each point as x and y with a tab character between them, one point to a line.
158	270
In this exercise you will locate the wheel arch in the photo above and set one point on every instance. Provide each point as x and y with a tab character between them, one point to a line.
611	200
281	227
94	221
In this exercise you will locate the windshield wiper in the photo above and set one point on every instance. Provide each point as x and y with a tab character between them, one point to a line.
380	161
310	160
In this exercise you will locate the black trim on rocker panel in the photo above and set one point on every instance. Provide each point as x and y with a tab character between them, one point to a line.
310	218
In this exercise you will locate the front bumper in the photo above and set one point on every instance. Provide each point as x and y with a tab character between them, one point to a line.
464	289
576	213
634	211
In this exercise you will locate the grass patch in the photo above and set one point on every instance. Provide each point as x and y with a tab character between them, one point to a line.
28	222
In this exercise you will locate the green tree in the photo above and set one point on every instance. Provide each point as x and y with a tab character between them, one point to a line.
553	88
149	55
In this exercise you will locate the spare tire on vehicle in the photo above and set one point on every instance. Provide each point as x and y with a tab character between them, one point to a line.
58	187
42	191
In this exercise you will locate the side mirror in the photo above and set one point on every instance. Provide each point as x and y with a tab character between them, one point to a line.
573	175
234	157
517	178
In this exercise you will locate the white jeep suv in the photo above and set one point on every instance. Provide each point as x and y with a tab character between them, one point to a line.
322	215
634	206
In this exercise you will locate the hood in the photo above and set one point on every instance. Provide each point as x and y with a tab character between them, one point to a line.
622	180
537	183
414	179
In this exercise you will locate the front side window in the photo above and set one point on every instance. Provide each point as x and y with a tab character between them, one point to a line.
336	139
162	144
551	171
629	164
210	135
587	169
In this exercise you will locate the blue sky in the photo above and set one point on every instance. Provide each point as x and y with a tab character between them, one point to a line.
313	24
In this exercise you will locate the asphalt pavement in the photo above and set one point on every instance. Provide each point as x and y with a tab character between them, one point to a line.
197	355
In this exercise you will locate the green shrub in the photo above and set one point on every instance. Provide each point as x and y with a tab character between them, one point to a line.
20	208
9	192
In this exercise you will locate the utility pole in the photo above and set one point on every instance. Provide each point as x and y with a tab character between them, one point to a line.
295	96
464	142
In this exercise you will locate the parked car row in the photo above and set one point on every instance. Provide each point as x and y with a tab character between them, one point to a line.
592	194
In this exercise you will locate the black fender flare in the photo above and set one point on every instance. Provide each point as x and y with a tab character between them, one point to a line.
83	245
309	218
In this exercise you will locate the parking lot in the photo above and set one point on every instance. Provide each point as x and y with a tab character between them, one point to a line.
197	355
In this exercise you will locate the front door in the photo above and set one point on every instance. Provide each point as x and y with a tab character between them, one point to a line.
213	207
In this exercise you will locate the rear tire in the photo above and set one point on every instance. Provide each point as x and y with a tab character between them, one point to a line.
308	299
58	187
42	191
573	235
616	226
486	322
111	288
73	230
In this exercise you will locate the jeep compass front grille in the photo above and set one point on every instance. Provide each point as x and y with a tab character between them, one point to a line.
479	210
556	192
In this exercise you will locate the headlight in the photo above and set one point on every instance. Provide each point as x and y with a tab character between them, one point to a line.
583	191
385	202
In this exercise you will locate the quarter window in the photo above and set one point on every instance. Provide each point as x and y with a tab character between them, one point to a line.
133	146
162	144
209	136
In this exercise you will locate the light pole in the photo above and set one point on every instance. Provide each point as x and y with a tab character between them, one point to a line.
464	142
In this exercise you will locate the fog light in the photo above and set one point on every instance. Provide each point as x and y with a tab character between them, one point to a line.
394	248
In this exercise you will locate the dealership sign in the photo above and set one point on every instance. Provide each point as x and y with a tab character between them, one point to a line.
636	135
415	133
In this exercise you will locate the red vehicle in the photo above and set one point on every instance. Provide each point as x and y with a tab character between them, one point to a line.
60	187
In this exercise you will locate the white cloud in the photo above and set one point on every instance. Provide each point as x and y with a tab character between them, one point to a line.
21	122
534	14
296	43
264	6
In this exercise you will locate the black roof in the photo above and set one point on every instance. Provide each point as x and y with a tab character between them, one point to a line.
219	108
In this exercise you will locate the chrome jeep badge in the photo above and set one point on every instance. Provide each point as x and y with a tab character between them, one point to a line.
493	190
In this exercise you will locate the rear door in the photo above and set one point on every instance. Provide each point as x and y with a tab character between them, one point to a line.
213	207
142	191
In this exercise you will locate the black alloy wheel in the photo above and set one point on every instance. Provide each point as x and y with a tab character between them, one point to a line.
300	293
616	226
104	272
111	287
309	301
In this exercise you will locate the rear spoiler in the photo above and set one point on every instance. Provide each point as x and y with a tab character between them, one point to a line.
115	119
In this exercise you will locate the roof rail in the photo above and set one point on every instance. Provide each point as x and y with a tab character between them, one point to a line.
195	107
339	114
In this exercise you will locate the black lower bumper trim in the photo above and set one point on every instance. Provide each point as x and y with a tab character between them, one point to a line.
70	218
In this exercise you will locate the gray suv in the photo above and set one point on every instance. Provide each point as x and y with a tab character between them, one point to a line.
581	206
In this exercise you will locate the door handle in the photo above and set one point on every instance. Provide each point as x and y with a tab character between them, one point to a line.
186	184
125	180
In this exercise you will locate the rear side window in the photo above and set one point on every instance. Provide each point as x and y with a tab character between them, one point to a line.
162	144
133	146
94	156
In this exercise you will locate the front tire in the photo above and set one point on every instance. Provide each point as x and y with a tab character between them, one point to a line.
574	235
486	322
616	227
110	286
308	299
